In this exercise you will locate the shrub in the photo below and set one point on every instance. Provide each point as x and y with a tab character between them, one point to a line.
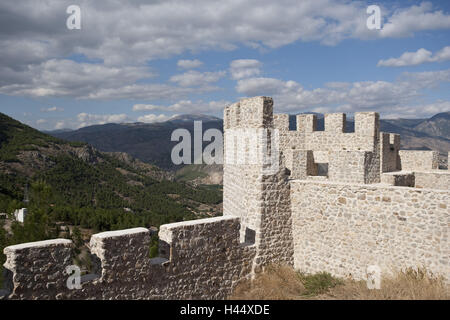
319	282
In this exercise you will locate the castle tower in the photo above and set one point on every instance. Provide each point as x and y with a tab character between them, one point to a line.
255	180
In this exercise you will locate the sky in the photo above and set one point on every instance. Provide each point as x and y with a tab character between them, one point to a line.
148	61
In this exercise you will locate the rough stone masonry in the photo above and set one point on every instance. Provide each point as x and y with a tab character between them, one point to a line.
327	200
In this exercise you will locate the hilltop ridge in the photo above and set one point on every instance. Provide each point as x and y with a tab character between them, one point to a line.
150	142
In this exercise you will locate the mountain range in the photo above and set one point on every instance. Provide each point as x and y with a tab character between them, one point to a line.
150	142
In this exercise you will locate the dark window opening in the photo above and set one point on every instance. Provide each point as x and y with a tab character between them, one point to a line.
322	169
250	235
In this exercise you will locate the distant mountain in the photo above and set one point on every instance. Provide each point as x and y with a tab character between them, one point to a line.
417	140
79	176
438	125
407	123
194	117
57	131
151	142
148	142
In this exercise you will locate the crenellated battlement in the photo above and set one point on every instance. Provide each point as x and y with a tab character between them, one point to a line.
390	147
366	123
200	252
333	147
249	113
257	112
37	266
306	122
335	122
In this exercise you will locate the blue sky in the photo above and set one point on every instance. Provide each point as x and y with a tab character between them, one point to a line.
148	61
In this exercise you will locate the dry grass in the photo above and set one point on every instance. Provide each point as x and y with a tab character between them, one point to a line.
283	283
275	283
404	285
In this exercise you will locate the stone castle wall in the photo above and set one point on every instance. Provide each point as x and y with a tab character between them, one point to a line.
439	179
351	157
390	147
413	160
344	228
205	260
334	137
374	205
419	169
255	191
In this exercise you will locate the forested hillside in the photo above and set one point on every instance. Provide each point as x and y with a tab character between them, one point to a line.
148	142
74	184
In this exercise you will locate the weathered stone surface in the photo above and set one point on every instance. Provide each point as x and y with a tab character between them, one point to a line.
414	160
436	179
398	178
206	262
392	227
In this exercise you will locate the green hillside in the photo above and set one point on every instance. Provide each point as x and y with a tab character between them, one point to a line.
74	184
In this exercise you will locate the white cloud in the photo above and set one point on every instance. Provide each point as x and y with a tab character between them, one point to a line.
270	86
41	121
194	78
443	54
150	118
186	106
418	111
415	58
86	119
61	124
189	64
426	79
145	107
406	21
244	68
382	96
52	109
69	78
134	32
123	37
152	91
